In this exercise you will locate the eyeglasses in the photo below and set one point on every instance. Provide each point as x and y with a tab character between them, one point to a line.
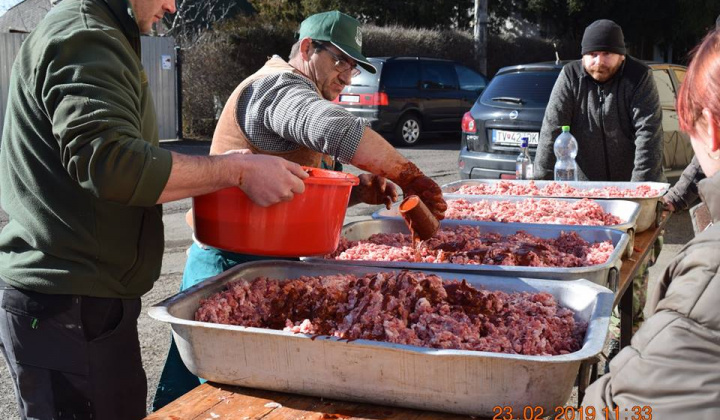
341	64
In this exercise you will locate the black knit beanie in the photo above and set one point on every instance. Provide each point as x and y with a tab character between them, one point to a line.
603	35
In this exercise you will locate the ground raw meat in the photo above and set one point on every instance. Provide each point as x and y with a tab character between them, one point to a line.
533	210
556	189
468	245
401	307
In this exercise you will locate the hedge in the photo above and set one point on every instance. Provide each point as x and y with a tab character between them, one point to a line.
216	63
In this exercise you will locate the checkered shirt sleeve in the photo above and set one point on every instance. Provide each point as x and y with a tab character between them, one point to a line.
282	111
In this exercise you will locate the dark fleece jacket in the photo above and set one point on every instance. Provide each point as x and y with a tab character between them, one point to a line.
618	124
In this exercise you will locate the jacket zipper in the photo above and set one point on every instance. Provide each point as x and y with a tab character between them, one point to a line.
601	93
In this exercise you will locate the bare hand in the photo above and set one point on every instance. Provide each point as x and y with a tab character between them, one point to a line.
268	180
374	189
667	204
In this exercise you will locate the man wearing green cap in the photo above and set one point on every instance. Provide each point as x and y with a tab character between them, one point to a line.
285	109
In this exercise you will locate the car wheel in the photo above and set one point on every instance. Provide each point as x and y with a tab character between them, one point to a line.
407	132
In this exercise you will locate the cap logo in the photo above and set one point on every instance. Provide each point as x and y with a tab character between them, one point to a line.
358	37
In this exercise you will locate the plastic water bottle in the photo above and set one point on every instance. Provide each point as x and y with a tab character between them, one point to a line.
523	163
566	149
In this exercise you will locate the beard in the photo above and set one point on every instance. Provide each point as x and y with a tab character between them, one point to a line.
603	73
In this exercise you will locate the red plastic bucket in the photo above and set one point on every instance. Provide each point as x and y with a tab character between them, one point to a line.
309	224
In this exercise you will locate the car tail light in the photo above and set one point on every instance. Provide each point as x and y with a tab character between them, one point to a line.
378	98
365	99
468	123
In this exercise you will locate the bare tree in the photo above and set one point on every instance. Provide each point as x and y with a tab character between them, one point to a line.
195	17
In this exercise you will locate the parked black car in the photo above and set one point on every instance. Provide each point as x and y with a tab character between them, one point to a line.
411	96
513	105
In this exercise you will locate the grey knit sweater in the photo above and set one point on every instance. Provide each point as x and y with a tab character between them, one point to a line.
618	124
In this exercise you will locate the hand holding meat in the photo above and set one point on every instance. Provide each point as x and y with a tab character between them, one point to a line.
374	189
414	182
268	180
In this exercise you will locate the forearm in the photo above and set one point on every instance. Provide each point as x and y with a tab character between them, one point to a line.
648	153
544	155
196	175
265	179
557	113
647	122
685	191
374	154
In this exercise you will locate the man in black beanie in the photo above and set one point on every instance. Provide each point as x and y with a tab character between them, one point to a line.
604	44
610	101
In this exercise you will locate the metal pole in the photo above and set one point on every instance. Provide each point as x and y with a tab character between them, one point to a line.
480	35
178	92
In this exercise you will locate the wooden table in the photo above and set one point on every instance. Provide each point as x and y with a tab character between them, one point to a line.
624	294
216	401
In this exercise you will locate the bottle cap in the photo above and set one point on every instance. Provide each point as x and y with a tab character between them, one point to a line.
418	217
565	128
524	142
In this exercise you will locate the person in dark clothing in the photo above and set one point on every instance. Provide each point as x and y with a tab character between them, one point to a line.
82	178
611	104
685	191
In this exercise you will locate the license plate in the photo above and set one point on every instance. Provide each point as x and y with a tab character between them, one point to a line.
350	98
513	138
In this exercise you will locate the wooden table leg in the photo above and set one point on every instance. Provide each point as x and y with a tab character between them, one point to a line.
626	315
586	376
583	380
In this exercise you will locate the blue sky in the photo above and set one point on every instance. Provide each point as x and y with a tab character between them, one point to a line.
6	4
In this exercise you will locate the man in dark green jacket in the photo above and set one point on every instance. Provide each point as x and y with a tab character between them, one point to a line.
81	178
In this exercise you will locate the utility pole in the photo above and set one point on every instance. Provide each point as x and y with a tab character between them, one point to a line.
481	20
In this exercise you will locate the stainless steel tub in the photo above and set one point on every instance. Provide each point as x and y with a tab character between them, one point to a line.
649	206
457	381
627	211
605	274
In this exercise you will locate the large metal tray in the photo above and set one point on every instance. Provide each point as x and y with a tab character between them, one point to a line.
623	209
457	381
650	208
605	274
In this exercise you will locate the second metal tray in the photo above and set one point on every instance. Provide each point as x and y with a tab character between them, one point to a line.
628	211
605	274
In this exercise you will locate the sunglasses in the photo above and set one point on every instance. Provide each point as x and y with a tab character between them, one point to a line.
341	64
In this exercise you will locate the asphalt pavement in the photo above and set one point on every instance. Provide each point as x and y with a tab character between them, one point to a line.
436	157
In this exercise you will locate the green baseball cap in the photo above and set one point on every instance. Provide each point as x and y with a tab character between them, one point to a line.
339	29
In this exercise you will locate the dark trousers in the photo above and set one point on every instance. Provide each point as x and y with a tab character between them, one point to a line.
73	357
